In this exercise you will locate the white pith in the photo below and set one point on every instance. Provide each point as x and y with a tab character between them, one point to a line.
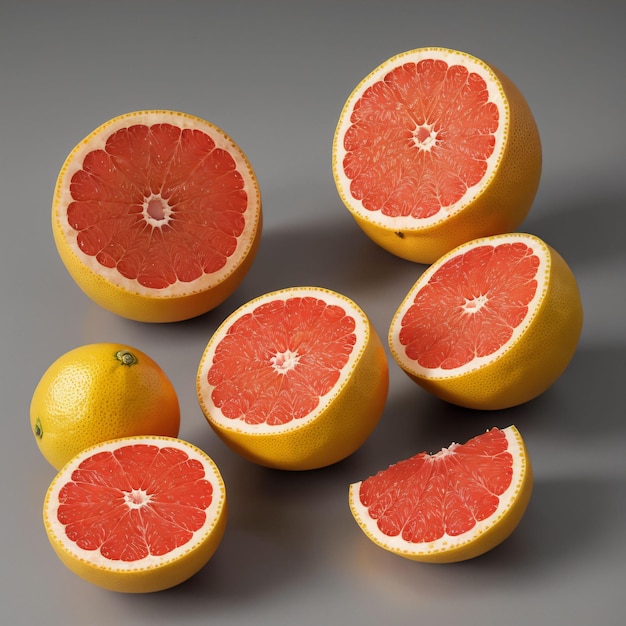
425	137
282	362
447	542
472	307
147	212
134	500
451	57
97	141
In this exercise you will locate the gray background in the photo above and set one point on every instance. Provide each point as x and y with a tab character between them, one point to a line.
275	76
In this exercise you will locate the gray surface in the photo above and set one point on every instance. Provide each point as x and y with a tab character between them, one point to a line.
275	76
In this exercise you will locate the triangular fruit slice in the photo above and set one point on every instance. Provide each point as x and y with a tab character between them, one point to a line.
449	506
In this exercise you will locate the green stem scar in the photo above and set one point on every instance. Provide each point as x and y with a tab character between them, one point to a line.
126	358
38	429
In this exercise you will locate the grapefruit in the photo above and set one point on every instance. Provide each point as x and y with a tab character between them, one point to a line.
490	325
98	392
157	215
137	514
434	148
295	379
449	506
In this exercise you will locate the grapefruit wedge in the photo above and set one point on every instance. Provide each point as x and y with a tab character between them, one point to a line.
137	514
157	215
490	325
434	148
449	506
295	379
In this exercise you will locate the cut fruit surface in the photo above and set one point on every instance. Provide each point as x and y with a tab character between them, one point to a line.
157	215
137	514
434	148
450	506
492	324
295	379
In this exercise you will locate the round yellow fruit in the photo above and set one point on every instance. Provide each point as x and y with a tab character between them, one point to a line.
434	148
99	392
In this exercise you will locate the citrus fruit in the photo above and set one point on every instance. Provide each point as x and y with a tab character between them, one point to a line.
434	148
157	215
490	325
98	392
295	379
136	514
449	506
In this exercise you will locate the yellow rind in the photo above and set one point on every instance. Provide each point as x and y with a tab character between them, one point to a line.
339	430
143	308
500	529
532	363
146	580
154	307
86	396
503	203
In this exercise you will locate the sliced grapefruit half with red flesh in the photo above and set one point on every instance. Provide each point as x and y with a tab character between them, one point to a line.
157	215
434	148
449	506
138	514
295	379
492	324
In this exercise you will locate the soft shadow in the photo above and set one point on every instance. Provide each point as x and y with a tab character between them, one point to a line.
567	523
411	423
584	225
262	549
586	399
279	527
332	253
415	421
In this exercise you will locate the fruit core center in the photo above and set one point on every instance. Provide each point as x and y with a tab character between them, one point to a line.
136	498
424	137
473	305
445	451
282	362
156	211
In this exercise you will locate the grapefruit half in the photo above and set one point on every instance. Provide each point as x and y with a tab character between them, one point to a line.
449	506
492	324
434	148
295	379
137	514
157	215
